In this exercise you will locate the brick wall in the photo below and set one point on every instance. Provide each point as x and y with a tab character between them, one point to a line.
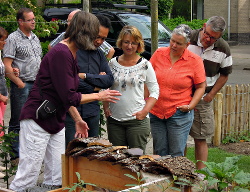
239	17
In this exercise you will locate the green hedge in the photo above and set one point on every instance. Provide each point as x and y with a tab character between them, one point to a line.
195	24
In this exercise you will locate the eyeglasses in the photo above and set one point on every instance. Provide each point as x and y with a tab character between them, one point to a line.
130	43
208	35
30	20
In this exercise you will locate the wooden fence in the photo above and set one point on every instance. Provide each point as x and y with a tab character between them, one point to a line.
232	112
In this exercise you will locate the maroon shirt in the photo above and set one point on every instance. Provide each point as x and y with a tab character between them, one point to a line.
58	77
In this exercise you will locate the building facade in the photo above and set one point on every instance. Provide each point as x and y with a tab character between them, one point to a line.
236	14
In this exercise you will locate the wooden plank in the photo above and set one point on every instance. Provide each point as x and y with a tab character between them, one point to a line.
65	170
237	110
218	118
102	173
241	109
72	171
229	109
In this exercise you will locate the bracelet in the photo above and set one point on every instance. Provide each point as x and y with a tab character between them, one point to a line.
188	107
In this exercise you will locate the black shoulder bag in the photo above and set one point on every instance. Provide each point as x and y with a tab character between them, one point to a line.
47	109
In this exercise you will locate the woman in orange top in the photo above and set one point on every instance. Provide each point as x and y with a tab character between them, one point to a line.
178	71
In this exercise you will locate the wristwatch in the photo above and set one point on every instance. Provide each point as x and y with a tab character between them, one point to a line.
85	76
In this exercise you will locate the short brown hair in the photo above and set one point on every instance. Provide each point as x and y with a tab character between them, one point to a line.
21	11
83	30
135	33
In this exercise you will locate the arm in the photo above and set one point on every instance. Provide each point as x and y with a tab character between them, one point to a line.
4	99
80	125
106	109
151	92
110	53
9	71
107	95
221	81
100	80
140	115
199	92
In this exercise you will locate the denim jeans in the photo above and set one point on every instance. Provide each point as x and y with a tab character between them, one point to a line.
17	99
93	124
170	135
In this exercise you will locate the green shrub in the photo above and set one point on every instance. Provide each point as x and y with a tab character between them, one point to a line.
172	23
8	10
45	47
164	7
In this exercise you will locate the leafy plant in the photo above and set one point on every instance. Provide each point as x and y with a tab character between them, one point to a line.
229	139
139	180
102	122
45	47
9	8
5	151
194	24
79	185
164	6
226	176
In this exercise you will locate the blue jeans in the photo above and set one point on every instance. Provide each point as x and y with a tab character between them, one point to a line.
70	130
17	99
170	135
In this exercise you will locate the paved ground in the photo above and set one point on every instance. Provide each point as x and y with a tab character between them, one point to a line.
240	75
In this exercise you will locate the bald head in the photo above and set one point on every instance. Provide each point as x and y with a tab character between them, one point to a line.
71	15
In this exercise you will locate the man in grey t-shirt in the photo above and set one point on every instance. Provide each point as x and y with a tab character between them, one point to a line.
22	51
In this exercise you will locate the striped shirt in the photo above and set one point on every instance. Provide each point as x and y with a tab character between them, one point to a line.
217	58
26	53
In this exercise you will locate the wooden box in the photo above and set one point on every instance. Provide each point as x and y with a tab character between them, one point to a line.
103	174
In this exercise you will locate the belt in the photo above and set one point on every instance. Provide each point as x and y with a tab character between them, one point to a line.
29	81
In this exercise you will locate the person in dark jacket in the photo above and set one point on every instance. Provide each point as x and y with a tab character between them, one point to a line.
95	75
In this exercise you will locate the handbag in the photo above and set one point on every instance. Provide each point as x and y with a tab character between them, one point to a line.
47	109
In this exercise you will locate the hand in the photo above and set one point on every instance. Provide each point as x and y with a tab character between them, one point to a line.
184	108
102	73
4	99
107	112
81	129
108	95
16	72
81	75
140	115
207	98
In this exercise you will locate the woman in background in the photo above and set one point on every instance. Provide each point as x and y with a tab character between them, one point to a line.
178	72
3	87
127	120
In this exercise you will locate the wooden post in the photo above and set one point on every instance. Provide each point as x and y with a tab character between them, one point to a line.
154	25
218	117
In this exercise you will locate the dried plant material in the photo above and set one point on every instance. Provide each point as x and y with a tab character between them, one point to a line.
151	157
100	142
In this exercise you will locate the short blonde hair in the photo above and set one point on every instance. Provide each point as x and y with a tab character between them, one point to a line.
135	33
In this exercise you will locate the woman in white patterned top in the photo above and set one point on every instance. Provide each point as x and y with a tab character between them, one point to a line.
127	120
